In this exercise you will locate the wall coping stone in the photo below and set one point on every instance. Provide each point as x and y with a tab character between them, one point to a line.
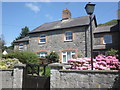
6	69
19	65
61	68
91	71
55	66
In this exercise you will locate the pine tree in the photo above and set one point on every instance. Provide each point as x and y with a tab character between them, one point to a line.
23	34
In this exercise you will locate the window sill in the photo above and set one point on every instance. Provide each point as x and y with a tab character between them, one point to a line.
68	40
107	43
65	63
41	42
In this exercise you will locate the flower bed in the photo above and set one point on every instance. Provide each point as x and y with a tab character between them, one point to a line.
8	63
101	62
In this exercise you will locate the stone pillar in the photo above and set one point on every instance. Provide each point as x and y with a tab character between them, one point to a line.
55	75
18	75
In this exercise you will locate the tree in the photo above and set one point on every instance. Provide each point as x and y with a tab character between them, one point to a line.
112	22
23	34
2	43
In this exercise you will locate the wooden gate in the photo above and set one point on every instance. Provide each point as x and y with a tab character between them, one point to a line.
35	77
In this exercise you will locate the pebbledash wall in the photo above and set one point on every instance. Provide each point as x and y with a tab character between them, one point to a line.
61	78
11	78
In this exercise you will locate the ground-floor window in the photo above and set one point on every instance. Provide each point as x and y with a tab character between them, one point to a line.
42	54
21	46
67	55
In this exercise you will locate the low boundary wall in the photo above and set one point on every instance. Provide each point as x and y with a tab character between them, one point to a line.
12	78
61	78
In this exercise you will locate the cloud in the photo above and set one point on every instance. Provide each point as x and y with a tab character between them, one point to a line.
33	7
49	16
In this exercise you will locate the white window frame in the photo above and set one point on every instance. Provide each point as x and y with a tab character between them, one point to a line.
21	46
42	38
66	54
42	55
107	38
25	47
68	36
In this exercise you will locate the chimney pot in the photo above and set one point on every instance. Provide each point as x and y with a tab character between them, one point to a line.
66	14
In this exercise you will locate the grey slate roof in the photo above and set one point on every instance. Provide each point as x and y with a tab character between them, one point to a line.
72	22
22	40
111	28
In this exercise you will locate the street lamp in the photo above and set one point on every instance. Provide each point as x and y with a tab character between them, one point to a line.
90	9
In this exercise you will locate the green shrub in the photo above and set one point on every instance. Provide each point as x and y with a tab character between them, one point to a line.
79	55
47	71
112	52
43	60
53	57
74	56
26	57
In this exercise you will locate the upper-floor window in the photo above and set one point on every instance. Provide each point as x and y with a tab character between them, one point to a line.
68	36
66	55
42	38
21	46
107	39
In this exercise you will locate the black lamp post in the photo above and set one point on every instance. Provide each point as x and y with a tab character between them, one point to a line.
90	9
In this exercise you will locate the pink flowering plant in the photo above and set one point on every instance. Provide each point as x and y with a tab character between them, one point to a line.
101	62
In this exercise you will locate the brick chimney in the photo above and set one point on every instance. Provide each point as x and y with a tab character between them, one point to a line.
66	14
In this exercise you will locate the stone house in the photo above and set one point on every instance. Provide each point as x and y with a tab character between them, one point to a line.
68	37
22	44
105	38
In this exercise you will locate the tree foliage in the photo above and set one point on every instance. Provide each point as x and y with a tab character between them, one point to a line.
24	33
112	22
2	43
53	57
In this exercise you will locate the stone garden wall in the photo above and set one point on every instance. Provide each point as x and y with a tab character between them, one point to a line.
83	78
61	78
6	78
11	78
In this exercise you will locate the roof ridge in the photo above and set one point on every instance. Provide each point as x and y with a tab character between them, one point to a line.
72	22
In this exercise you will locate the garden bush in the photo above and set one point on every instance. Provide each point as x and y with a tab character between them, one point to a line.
79	55
43	60
26	57
101	62
112	52
47	71
53	57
